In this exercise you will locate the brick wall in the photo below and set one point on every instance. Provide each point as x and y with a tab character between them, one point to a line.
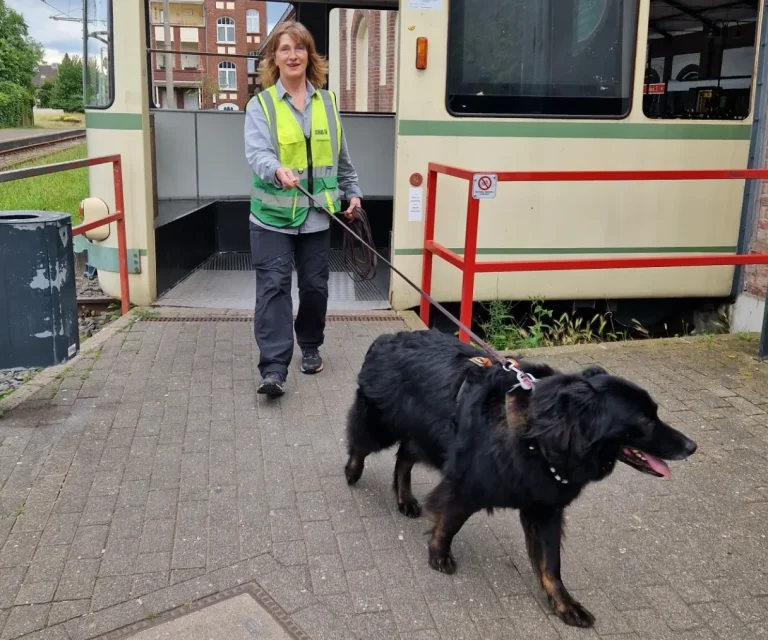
380	96
756	276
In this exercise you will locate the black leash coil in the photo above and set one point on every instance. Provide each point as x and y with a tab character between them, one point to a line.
358	256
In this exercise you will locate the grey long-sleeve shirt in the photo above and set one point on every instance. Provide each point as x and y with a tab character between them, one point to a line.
262	157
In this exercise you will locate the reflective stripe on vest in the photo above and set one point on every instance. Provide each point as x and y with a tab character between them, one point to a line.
288	207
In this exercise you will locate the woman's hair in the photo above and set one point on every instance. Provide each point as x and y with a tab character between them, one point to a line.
317	66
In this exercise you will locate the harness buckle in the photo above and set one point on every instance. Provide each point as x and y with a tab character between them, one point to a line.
524	380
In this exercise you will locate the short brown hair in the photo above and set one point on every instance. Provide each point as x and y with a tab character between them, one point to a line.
317	66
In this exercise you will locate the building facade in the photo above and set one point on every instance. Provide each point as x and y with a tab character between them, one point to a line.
228	29
363	60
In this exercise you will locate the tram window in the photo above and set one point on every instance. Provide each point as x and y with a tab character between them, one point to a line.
700	60
539	58
362	59
99	74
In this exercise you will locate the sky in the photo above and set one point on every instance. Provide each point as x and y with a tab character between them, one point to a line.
60	37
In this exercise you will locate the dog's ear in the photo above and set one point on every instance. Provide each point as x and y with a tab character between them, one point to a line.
592	371
566	414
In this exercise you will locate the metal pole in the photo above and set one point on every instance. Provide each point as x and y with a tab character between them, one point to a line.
170	58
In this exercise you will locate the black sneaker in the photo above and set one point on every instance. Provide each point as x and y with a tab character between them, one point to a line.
311	362
272	385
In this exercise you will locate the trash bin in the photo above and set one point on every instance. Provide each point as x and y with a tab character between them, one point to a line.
38	295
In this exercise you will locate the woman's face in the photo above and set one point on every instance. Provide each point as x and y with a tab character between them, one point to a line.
291	58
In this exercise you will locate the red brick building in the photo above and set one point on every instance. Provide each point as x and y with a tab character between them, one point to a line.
227	28
363	67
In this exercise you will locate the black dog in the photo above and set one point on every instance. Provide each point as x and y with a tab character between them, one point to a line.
532	450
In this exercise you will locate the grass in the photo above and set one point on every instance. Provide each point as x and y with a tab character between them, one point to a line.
56	192
541	328
59	120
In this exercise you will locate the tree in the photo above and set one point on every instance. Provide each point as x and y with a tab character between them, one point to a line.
45	93
209	87
20	55
68	90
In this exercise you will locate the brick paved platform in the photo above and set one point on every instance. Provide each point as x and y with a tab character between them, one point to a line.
151	476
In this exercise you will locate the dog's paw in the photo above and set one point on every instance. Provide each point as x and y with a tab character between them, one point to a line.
352	473
442	563
411	509
574	614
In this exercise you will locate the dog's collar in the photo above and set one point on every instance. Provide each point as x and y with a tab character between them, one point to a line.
526	381
555	474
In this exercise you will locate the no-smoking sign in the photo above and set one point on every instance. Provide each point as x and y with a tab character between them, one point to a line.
484	186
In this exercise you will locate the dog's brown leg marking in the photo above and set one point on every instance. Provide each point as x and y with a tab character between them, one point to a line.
449	517
406	501
543	536
355	465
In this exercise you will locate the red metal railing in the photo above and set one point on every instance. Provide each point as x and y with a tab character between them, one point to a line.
469	266
118	216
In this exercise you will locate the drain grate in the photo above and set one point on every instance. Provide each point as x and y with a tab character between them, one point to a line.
331	317
216	611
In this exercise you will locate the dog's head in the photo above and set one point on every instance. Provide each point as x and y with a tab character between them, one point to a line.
584	423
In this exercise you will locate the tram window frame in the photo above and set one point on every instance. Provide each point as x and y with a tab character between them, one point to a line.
476	105
110	54
680	68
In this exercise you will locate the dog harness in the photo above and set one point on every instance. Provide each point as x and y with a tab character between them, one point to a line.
525	381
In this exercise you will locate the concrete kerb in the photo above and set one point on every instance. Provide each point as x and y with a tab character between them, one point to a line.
49	374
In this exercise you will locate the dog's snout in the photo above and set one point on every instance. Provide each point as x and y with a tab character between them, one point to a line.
690	447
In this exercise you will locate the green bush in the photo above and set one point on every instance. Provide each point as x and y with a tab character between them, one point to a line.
16	105
45	93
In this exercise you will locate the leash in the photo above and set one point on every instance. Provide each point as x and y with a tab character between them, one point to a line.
525	380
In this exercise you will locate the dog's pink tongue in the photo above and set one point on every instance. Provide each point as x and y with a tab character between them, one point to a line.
659	466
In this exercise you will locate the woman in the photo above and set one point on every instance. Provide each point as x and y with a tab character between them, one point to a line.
293	135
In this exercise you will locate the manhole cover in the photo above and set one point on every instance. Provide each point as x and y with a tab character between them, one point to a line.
245	613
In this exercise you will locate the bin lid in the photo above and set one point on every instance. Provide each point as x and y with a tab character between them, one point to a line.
27	217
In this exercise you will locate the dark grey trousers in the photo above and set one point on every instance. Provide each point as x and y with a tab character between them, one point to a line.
273	255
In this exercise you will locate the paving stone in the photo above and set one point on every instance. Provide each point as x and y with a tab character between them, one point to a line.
24	620
77	580
63	611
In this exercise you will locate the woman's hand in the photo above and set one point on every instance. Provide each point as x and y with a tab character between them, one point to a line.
349	214
286	177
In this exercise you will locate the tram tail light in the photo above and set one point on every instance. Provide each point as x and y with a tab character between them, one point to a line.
421	53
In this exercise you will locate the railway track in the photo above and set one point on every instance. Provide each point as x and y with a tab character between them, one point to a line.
96	304
33	147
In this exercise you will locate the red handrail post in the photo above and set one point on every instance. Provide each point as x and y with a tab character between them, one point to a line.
122	244
470	260
429	236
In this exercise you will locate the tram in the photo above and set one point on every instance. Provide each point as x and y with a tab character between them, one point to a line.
505	85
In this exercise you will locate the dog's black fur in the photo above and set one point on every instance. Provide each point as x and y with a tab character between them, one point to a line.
529	450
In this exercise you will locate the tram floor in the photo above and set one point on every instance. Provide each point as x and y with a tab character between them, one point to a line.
227	281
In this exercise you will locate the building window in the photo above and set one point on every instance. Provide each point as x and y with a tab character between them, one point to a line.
99	70
538	58
227	107
251	64
227	76
225	30
252	21
700	60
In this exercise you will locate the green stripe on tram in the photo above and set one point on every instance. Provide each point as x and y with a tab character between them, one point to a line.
114	121
607	130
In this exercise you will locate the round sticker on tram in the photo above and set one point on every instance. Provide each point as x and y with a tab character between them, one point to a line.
416	179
